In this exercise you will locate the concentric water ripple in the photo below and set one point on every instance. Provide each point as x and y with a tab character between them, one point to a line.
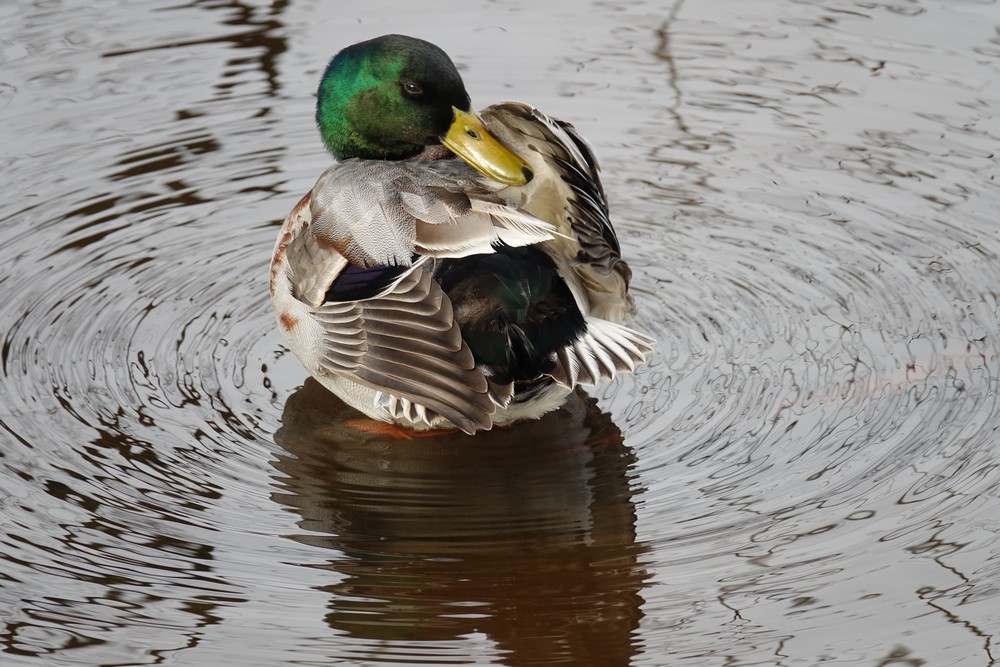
804	473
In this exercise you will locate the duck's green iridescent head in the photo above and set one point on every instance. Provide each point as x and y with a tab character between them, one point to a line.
391	96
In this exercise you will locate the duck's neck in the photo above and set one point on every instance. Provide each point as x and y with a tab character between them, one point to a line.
355	122
344	140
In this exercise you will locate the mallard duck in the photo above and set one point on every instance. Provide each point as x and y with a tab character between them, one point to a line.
449	270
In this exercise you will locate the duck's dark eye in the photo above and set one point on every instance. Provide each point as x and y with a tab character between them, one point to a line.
412	88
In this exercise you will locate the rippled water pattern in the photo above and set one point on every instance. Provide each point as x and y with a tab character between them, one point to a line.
806	472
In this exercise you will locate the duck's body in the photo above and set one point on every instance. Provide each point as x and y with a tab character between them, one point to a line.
426	293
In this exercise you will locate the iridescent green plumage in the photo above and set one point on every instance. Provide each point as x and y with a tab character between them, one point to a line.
514	309
387	98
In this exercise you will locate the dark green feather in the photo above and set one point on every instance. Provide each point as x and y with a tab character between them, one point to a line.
366	107
513	308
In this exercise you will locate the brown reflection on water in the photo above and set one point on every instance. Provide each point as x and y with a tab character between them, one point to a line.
526	535
259	33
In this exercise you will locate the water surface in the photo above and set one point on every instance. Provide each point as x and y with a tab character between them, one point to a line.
805	473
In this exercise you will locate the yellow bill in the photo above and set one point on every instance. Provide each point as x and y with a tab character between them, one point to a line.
468	139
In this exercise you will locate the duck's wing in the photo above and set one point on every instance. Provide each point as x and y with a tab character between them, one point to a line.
379	213
406	344
566	191
603	351
391	329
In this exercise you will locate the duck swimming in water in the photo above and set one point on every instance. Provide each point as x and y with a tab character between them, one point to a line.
449	271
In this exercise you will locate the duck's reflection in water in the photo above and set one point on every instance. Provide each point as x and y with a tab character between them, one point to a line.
526	535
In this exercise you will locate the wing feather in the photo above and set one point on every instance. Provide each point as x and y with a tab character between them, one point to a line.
603	351
406	344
